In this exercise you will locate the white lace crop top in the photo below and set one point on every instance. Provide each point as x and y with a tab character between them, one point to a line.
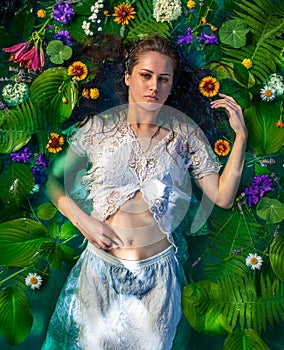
118	168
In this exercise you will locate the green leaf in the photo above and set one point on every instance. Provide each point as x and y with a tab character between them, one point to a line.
47	91
23	21
67	230
59	252
16	315
17	182
264	138
17	126
20	242
233	33
276	256
46	211
249	339
53	229
270	209
58	52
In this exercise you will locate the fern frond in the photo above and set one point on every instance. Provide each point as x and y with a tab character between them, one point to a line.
231	231
240	302
145	24
265	45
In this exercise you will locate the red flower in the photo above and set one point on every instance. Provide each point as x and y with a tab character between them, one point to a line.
32	59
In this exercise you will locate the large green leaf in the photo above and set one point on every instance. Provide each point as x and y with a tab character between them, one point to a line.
16	315
248	339
48	90
233	33
58	52
276	256
17	182
20	242
263	136
59	253
17	126
271	210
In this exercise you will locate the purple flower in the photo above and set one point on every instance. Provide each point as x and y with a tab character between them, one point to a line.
2	105
208	39
63	12
39	175
185	38
259	186
41	160
21	156
263	183
64	36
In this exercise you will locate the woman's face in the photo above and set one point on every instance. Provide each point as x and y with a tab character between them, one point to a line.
151	79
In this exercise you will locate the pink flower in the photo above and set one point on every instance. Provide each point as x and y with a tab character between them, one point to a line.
17	50
32	59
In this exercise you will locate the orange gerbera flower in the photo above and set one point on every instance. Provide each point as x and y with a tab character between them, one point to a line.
123	13
209	86
78	70
222	147
55	143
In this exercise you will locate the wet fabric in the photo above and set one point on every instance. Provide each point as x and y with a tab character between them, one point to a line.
113	304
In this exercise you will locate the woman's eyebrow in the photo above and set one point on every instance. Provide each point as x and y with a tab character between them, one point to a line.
150	71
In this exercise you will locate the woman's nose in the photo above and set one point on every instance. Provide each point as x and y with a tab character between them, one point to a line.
154	84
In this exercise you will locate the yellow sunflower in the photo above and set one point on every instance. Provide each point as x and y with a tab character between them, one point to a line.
78	70
222	148
41	13
94	93
55	143
209	86
190	4
123	13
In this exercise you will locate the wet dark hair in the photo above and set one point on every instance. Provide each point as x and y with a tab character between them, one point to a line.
154	44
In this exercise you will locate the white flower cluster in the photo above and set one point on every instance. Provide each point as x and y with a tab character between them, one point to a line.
273	87
93	18
167	11
15	94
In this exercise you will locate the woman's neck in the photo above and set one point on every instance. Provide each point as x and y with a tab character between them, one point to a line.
141	117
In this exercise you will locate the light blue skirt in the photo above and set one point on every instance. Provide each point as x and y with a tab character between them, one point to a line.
113	304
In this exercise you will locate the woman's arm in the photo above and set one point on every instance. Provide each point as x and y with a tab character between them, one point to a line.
94	230
222	189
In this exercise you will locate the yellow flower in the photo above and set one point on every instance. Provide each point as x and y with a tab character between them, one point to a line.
106	13
213	28
247	62
222	148
279	124
209	86
94	93
203	20
55	143
64	100
191	4
123	13
86	93
41	13
78	70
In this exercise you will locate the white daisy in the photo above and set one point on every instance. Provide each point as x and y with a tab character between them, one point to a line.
267	93
33	280
254	261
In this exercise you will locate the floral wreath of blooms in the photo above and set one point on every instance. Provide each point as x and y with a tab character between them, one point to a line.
42	81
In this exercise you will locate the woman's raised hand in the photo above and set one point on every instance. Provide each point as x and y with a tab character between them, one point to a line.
234	112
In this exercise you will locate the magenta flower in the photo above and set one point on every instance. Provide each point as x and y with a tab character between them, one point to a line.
32	59
17	50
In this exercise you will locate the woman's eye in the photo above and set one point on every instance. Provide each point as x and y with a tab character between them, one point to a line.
146	76
165	80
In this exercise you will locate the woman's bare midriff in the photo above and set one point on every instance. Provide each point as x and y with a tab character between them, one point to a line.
136	227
